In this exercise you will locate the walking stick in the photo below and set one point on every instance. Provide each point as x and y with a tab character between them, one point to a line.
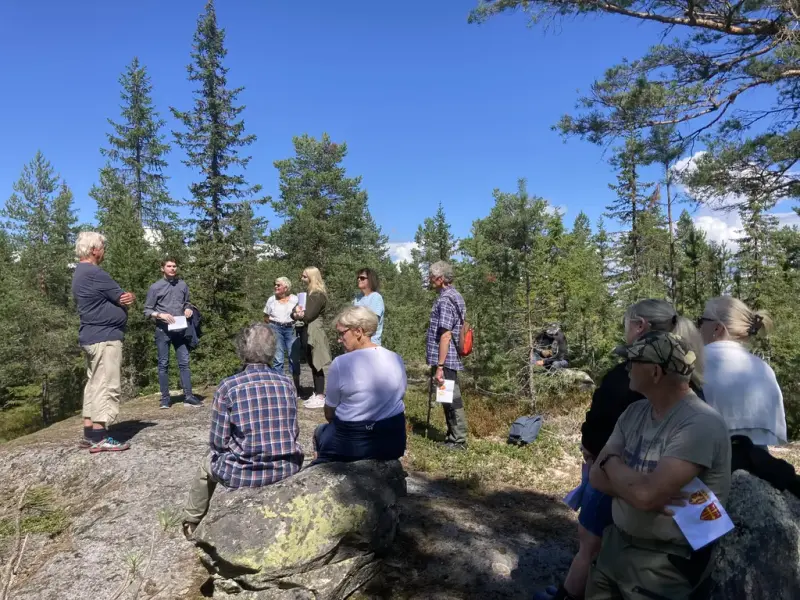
430	400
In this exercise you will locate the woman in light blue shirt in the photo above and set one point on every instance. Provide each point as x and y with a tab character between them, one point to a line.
369	297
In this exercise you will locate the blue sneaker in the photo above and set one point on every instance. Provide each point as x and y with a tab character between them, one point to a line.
165	403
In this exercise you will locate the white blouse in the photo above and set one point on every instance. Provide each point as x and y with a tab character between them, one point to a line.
280	311
744	390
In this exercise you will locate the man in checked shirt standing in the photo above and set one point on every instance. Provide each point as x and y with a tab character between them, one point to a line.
254	429
447	318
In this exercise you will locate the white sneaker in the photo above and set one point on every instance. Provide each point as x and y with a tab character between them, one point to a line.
315	401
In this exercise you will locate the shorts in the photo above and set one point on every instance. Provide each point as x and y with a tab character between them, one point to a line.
595	513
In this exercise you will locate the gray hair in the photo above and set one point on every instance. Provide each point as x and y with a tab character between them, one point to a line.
88	241
442	269
255	344
284	281
358	317
660	315
740	320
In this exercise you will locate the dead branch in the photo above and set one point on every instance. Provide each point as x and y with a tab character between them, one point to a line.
8	575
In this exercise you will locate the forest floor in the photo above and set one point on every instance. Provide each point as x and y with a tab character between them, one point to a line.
487	522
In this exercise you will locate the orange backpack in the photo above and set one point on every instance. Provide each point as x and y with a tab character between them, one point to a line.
466	338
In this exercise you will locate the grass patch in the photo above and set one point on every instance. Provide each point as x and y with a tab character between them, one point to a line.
551	464
40	514
20	420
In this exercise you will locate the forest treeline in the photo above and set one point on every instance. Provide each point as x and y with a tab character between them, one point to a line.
521	266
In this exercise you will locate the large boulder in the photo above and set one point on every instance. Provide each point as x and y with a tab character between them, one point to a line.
319	534
760	559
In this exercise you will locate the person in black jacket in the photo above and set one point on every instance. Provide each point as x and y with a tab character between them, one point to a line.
550	348
609	401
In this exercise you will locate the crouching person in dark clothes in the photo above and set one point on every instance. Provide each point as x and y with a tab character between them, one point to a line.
658	446
364	404
254	429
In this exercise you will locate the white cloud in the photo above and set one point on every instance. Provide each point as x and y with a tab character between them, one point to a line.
401	251
726	227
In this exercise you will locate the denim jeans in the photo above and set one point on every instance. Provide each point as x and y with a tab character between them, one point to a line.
285	340
165	339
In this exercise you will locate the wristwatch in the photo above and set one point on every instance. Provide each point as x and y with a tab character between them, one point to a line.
602	463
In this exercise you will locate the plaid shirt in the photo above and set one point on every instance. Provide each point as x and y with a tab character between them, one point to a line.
254	430
446	317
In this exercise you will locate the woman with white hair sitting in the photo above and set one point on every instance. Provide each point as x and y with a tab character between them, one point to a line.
364	402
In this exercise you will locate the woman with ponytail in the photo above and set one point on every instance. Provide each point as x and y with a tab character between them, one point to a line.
740	385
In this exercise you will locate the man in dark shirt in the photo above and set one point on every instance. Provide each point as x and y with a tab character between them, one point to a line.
103	309
254	438
166	299
550	348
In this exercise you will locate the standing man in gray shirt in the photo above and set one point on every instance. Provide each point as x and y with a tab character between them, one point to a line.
166	299
103	310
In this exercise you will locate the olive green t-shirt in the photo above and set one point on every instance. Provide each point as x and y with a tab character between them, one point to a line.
691	431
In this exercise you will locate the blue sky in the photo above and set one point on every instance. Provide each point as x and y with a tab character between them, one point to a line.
432	109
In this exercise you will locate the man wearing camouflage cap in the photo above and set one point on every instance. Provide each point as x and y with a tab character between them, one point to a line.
658	446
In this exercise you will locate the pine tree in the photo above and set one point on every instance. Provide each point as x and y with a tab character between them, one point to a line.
434	242
755	260
43	328
222	200
665	151
137	148
42	226
630	203
327	223
694	268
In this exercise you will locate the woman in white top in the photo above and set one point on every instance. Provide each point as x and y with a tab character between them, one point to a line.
278	313
364	402
740	385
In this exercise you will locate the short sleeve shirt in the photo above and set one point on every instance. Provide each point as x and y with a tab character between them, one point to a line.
692	431
374	302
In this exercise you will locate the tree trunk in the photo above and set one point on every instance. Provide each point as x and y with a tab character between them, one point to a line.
531	369
45	403
671	235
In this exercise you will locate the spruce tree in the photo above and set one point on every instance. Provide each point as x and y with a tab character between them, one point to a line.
134	263
137	148
212	139
434	241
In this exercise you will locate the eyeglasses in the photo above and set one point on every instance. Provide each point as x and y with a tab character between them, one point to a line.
341	333
700	320
362	277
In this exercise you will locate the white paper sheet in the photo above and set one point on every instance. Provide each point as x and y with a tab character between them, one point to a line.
703	519
444	392
301	300
180	323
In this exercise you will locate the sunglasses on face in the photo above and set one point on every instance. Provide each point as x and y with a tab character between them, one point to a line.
362	277
700	320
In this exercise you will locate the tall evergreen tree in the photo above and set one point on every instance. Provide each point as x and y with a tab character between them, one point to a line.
137	148
44	329
42	226
434	241
327	223
222	200
134	263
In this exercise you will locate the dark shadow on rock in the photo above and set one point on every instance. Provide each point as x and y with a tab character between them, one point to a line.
455	544
418	427
127	430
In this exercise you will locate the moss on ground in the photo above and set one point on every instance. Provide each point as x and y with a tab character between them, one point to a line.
41	513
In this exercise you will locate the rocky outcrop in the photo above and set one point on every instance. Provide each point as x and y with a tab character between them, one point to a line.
760	559
317	535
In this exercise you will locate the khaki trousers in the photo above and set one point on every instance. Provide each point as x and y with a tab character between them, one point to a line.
200	491
103	388
623	571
